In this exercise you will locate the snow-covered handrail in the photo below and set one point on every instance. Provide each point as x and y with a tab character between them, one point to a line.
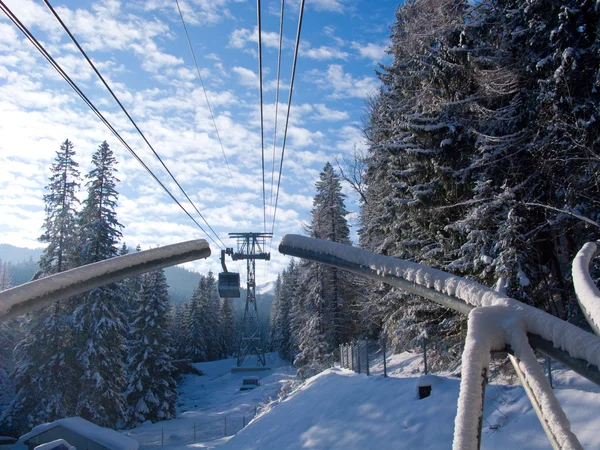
588	294
507	323
458	293
45	291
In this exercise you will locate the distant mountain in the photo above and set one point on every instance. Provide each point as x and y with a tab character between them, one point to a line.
267	288
182	283
12	254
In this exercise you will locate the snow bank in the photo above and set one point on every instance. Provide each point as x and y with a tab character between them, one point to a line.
585	288
105	436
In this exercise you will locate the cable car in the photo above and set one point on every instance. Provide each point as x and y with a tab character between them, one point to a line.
229	282
229	285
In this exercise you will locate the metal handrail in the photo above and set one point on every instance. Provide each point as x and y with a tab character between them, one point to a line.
579	360
45	291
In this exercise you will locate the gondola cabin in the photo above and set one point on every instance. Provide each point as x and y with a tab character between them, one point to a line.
229	285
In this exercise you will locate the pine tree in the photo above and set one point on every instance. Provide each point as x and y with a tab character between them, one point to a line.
194	344
61	205
227	332
329	295
151	391
210	308
99	322
5	280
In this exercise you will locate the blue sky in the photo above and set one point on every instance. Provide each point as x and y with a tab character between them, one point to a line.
140	47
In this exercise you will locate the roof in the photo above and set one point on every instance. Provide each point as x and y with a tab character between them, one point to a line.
104	436
58	443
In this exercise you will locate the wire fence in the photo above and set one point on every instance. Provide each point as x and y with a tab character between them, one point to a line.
185	431
355	355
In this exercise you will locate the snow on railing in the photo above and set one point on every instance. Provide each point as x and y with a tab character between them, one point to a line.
495	322
45	291
585	288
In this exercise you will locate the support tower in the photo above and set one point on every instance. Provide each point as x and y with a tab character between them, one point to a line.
251	246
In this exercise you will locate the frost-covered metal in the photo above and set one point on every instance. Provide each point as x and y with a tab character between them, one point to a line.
496	322
588	294
45	291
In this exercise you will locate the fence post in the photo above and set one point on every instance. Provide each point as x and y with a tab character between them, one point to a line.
352	354
194	431
384	359
358	354
243	421
425	354
367	355
549	365
162	437
225	427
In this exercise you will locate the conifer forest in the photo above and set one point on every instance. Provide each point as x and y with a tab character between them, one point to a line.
482	160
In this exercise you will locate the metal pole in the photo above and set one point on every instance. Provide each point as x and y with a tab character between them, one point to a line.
225	426
194	431
484	379
425	354
367	356
243	421
162	437
341	357
549	366
352	354
384	360
358	354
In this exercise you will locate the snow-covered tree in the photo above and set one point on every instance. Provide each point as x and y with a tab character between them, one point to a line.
329	294
61	204
151	392
194	343
227	332
99	322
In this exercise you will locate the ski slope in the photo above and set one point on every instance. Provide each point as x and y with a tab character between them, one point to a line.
339	409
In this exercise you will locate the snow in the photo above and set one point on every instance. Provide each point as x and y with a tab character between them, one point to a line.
54	444
495	322
339	409
105	436
82	279
585	288
575	341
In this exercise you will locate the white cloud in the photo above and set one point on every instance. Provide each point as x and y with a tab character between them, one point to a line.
376	53
323	53
327	5
243	37
325	113
247	77
344	85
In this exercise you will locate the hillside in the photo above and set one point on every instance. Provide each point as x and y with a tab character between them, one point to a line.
339	409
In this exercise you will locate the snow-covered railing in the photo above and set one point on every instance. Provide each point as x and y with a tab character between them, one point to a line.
585	288
496	322
45	291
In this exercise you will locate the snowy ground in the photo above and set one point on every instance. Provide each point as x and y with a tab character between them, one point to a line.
339	409
212	406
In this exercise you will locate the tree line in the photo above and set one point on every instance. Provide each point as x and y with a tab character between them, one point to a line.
108	355
482	159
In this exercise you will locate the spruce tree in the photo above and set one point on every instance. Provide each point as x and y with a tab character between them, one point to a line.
329	296
99	322
151	391
194	343
227	332
61	205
